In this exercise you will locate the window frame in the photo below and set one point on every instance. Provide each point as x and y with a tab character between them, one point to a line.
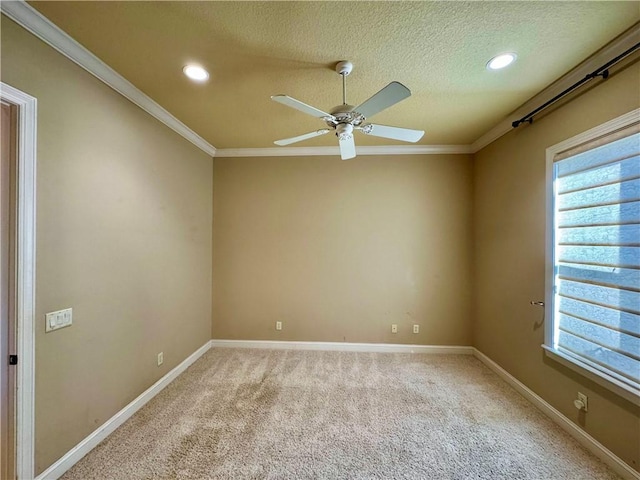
575	363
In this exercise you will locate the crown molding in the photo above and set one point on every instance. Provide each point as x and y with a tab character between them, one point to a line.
614	48
331	151
33	21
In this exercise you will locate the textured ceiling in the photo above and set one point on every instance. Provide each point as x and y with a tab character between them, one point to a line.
257	49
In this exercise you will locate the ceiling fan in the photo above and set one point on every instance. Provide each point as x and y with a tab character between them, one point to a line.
345	118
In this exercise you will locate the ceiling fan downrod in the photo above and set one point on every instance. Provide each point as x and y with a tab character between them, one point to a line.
344	68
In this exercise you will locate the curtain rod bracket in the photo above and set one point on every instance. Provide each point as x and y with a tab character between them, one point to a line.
518	122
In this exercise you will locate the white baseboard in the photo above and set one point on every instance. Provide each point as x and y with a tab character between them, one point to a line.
56	470
586	440
343	346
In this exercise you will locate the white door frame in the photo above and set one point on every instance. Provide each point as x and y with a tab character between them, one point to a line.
26	276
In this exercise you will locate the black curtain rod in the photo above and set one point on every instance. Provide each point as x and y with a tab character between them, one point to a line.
603	72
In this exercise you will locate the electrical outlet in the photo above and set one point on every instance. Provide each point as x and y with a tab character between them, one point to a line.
416	329
583	400
160	358
278	325
394	328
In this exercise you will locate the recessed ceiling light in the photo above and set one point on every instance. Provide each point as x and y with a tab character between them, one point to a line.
196	72
501	61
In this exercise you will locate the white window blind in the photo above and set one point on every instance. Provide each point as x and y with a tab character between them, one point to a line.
596	252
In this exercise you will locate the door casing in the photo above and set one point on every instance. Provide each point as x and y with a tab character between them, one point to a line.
25	269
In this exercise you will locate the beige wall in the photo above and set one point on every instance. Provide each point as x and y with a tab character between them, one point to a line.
123	237
509	216
339	250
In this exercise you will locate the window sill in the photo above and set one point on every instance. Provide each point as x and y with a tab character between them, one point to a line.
620	388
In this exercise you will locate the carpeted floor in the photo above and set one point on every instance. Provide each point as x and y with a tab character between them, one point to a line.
272	414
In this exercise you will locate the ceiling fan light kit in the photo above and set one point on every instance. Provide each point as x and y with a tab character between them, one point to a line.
345	118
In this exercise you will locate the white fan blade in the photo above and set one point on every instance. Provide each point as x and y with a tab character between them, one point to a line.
389	95
347	148
298	105
299	138
404	134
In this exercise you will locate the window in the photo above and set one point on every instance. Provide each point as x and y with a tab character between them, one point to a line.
593	254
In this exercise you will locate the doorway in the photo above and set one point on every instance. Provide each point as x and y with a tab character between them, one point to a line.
17	282
8	351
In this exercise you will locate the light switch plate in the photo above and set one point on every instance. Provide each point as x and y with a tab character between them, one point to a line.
59	319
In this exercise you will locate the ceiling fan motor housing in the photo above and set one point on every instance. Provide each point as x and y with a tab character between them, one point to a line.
344	114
